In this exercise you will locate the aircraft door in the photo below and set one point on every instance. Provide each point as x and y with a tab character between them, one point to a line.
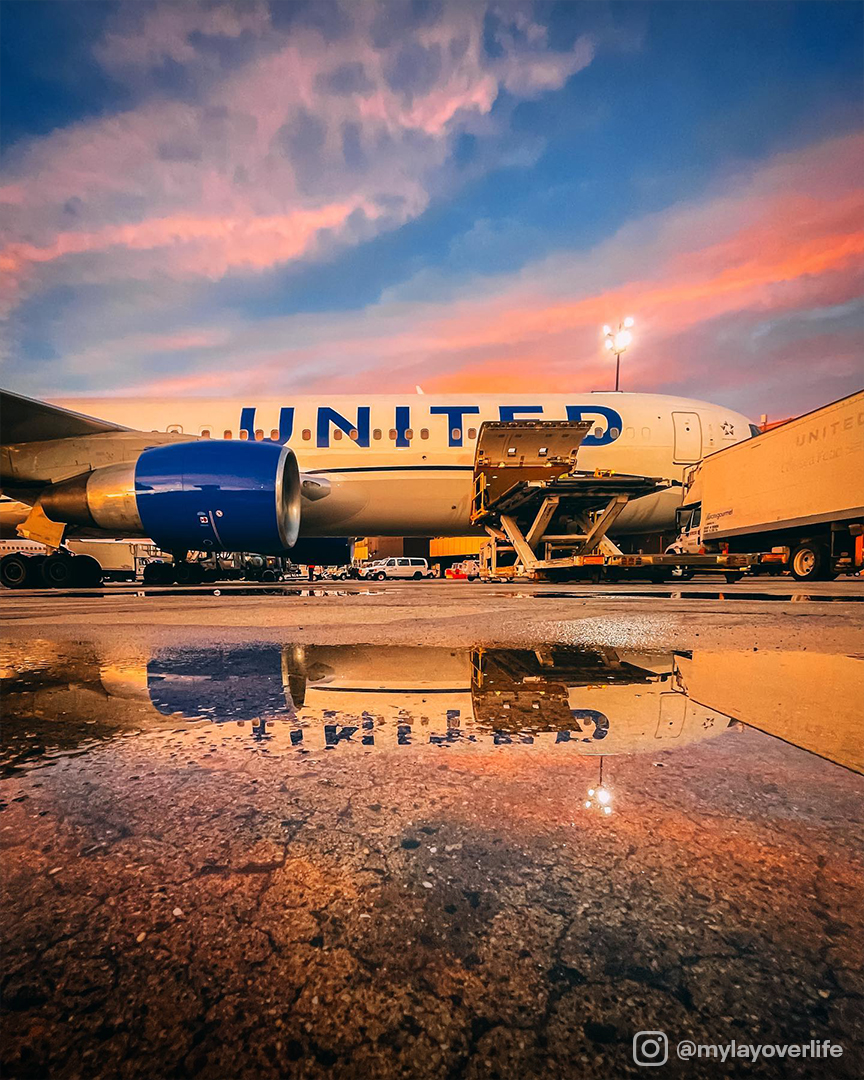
688	438
673	710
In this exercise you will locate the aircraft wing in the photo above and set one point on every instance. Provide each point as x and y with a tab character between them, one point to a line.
24	420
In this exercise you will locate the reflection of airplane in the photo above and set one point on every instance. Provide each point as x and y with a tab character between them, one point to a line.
594	701
197	475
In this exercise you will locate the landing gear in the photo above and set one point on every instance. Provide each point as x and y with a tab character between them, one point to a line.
60	570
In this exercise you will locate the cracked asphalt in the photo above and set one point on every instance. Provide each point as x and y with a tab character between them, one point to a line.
228	855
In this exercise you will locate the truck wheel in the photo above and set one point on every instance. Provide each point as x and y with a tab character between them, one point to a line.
86	572
681	573
808	562
57	571
14	570
417	575
380	577
732	577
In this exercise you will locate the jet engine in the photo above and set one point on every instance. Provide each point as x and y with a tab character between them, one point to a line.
212	494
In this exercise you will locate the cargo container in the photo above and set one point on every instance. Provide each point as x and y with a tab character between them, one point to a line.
796	490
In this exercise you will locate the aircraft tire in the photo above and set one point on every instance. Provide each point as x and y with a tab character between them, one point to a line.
15	570
86	572
57	571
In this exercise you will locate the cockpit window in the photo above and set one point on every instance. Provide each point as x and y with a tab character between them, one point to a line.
754	431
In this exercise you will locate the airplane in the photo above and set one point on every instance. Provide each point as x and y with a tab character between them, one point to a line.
209	474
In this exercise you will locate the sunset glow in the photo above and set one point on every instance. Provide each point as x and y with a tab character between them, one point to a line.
324	198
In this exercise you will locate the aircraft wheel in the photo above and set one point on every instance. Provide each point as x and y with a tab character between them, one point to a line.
186	573
156	573
809	561
57	572
86	572
15	570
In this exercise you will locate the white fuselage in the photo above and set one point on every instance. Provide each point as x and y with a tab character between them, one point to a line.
402	464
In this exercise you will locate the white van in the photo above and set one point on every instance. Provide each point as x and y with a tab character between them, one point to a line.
399	568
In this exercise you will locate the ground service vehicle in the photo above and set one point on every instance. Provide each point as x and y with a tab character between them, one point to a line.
796	490
399	568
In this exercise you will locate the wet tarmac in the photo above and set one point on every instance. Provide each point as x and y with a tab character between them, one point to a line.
238	855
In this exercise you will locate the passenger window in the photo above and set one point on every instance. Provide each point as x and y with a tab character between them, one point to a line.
646	432
307	435
614	432
176	429
376	434
393	433
472	432
259	434
631	432
244	434
337	433
274	435
598	432
226	434
354	434
456	434
409	434
697	516
205	433
404	562
424	432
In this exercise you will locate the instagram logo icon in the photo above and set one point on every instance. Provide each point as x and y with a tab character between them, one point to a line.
650	1048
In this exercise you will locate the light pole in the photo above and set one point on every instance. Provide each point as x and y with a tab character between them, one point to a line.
617	341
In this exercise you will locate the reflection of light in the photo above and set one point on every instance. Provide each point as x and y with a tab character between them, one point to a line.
603	796
610	344
607	329
607	809
629	321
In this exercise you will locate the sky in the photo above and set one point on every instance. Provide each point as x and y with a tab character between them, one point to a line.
249	199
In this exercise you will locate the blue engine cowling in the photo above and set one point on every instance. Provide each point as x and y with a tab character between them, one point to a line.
190	496
219	495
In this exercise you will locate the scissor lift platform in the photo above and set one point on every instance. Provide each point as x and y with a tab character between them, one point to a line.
543	516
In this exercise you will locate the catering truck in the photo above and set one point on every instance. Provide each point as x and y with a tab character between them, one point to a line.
796	491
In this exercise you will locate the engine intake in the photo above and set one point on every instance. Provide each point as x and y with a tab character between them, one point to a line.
221	496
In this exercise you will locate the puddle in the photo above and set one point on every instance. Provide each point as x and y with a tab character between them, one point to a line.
284	859
699	594
311	698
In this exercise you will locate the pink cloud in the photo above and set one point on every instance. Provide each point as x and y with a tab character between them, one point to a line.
252	172
719	279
